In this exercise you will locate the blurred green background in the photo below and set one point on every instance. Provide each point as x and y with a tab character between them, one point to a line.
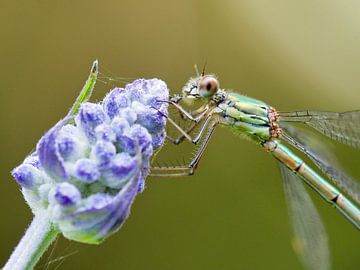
232	214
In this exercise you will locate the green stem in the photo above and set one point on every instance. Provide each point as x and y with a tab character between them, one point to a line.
34	243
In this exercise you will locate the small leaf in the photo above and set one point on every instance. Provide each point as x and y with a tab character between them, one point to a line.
86	90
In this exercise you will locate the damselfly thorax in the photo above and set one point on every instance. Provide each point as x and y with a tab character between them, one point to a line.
249	116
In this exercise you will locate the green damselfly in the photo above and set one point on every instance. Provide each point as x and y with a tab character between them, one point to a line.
270	129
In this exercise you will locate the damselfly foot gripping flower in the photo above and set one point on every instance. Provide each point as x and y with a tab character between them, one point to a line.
87	169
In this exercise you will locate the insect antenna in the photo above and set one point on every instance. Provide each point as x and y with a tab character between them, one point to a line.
203	70
196	70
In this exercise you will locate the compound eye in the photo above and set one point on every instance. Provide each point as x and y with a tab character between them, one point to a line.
208	86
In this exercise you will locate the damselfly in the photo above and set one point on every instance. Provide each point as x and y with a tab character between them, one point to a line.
270	129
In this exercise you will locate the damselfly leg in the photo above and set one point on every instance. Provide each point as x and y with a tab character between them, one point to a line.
200	114
203	113
189	169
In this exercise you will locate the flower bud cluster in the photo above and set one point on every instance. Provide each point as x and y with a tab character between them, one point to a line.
87	171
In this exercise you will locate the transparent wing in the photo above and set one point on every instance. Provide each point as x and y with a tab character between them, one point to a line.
325	161
309	237
343	127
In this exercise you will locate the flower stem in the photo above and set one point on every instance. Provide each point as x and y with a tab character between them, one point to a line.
34	243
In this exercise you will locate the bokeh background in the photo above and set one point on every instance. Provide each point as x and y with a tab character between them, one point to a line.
232	214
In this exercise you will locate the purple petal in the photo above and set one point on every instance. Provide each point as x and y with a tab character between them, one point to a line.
122	205
49	156
101	215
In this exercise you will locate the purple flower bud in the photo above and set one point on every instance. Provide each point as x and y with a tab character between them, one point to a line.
65	194
103	152
122	169
158	89
66	146
97	201
127	143
128	114
119	126
86	170
154	101
27	175
105	132
152	119
142	136
136	89
158	139
89	117
33	160
138	107
115	101
70	143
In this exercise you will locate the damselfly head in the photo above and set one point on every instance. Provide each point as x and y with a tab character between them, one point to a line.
204	86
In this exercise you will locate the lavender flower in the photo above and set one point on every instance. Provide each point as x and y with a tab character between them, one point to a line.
87	170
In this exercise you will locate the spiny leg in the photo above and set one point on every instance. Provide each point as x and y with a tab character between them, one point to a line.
202	129
195	141
183	132
197	138
180	129
186	113
200	112
192	166
181	138
176	99
195	162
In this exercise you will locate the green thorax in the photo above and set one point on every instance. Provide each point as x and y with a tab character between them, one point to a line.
247	116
